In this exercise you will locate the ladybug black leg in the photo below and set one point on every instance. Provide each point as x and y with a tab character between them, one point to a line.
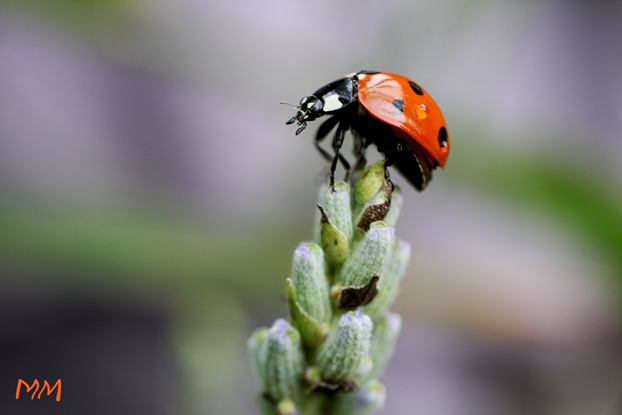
388	162
359	151
321	134
337	143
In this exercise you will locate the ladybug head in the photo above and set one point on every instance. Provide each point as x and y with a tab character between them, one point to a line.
309	109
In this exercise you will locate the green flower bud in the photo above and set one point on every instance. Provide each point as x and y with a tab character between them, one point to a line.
286	407
284	362
369	183
337	207
317	228
343	353
383	341
368	398
313	332
370	257
371	200
397	200
335	243
256	349
312	290
390	279
313	375
374	210
367	366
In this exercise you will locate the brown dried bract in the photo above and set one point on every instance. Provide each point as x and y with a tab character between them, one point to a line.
374	213
353	297
332	388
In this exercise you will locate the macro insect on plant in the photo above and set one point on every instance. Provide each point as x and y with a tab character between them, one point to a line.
385	109
326	357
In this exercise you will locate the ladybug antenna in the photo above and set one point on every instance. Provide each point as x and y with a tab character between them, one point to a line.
287	103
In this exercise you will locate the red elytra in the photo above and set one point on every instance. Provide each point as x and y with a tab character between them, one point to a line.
393	112
419	122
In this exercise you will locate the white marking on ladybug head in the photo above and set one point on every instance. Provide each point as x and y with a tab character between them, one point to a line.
303	100
332	103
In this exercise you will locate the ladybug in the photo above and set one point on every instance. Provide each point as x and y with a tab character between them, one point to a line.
385	109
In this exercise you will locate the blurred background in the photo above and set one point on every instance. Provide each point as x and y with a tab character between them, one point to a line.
151	198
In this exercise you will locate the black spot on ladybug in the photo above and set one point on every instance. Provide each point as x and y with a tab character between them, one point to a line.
415	88
399	106
442	137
